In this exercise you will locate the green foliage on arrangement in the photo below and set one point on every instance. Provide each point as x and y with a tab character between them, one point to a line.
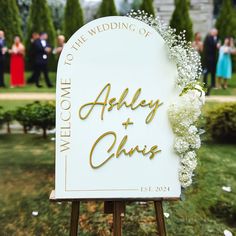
181	20
147	6
107	8
10	21
221	123
226	22
73	17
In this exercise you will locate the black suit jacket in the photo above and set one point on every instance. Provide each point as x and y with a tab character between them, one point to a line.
210	52
2	45
41	57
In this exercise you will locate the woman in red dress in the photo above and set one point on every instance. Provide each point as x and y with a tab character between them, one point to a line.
17	65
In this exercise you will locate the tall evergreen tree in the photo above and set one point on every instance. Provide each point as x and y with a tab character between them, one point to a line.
181	20
73	17
135	5
226	22
10	21
40	20
107	8
147	6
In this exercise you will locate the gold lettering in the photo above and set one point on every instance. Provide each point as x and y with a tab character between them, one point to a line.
121	102
108	151
65	133
120	150
93	104
64	145
65	116
92	32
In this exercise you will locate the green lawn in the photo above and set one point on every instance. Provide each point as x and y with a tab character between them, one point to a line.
9	105
29	87
231	90
27	177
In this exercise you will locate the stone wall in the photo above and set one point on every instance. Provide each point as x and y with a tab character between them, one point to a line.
201	12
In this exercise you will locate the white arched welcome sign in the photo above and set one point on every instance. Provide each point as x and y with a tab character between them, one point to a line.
115	83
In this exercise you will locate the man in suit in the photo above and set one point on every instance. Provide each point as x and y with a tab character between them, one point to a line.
3	50
34	36
210	57
42	50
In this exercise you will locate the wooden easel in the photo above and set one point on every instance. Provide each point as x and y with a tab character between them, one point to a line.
117	208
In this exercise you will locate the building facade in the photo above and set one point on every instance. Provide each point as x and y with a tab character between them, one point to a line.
201	13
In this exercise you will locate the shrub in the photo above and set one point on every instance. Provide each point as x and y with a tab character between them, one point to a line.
1	117
23	116
10	20
40	115
40	20
221	123
147	6
107	8
226	21
73	17
8	118
43	116
181	20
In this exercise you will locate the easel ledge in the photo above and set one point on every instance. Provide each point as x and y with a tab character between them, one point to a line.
117	208
52	198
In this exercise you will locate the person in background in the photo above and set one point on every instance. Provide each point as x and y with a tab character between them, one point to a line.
17	64
3	50
232	44
197	43
60	45
34	37
224	64
210	49
42	50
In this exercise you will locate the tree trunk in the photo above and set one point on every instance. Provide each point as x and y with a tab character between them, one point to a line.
8	128
25	129
44	133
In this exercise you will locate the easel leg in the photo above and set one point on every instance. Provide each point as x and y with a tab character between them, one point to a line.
117	231
74	218
160	218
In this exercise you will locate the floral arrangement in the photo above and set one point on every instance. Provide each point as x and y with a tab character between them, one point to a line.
185	111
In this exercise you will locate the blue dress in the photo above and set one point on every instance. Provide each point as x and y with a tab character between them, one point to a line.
224	64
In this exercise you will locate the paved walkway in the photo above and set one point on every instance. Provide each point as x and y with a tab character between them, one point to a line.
51	96
221	98
27	96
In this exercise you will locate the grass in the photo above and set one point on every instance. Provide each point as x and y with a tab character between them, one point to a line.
27	176
230	91
29	87
9	105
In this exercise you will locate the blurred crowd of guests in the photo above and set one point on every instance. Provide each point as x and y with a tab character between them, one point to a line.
39	51
216	59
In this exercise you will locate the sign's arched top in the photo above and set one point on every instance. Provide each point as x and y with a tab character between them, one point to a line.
115	83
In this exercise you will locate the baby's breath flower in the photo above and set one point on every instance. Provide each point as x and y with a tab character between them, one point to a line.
184	111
